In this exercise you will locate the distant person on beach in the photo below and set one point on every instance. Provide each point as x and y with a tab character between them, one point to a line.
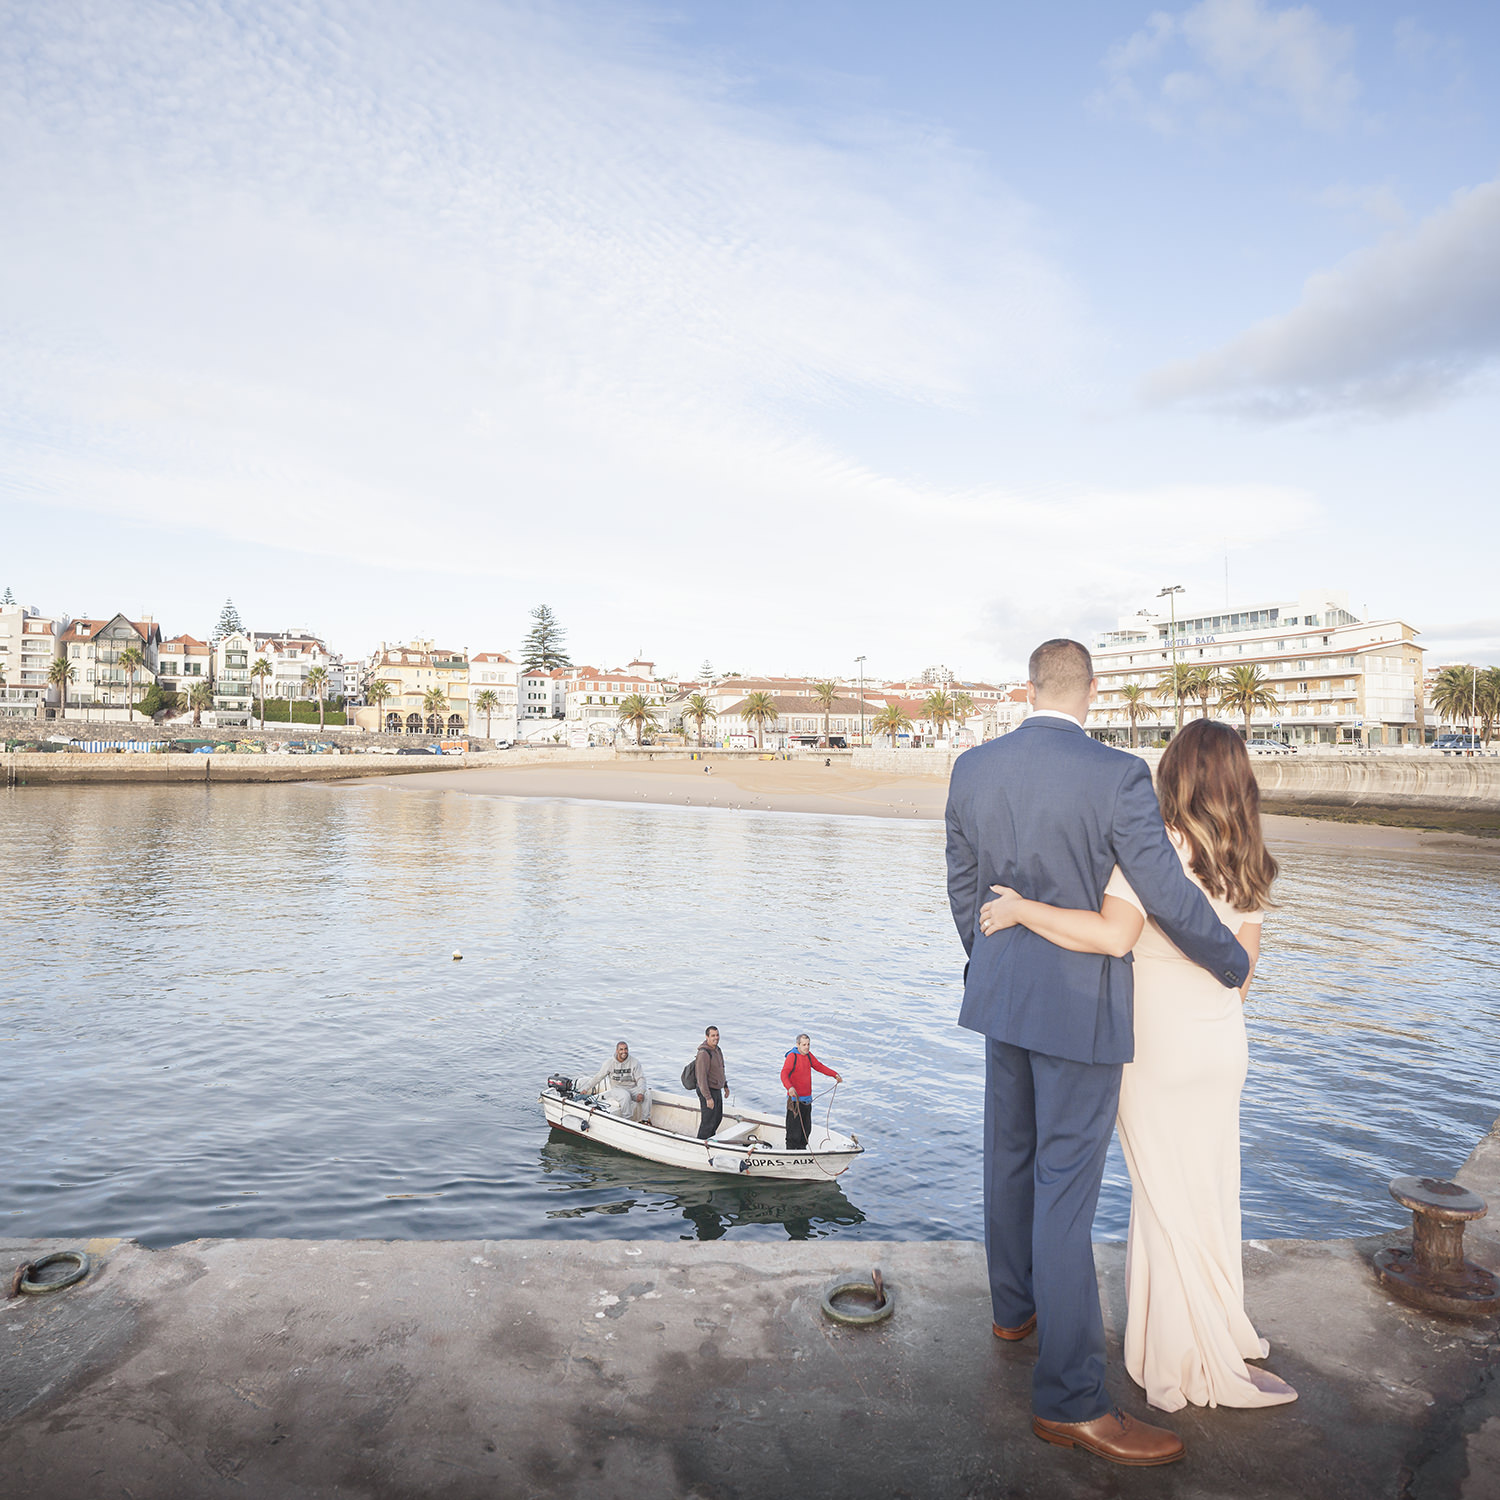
623	1081
1187	1335
1049	813
796	1079
708	1068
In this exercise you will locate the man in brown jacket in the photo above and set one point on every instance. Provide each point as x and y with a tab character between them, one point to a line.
709	1067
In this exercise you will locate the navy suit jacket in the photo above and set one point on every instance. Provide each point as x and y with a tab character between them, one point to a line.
1050	812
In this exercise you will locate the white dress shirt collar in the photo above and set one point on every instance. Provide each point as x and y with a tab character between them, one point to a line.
1054	713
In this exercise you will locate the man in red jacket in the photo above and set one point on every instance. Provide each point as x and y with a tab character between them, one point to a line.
796	1078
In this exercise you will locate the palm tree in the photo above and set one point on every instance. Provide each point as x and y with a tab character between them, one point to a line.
698	709
891	720
434	706
262	670
963	706
1489	701
1243	690
1204	683
759	709
379	692
1455	691
827	694
201	697
635	708
59	674
486	703
937	708
1133	696
130	662
317	680
1176	683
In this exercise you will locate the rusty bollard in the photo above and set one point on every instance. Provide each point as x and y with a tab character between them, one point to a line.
1433	1274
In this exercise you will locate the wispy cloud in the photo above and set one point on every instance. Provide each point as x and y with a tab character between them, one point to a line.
1221	63
490	289
1399	326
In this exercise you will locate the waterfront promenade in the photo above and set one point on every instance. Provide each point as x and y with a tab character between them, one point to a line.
267	1369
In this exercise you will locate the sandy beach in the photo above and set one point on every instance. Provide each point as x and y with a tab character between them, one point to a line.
808	786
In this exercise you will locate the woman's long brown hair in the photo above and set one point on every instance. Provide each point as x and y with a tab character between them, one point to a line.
1208	794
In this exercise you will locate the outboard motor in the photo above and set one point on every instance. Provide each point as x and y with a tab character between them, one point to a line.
564	1086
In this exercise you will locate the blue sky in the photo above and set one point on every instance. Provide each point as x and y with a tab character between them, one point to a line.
773	334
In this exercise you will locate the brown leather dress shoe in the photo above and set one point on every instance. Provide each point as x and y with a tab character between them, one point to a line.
1014	1334
1120	1439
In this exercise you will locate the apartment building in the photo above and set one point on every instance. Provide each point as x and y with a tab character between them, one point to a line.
494	672
101	687
234	689
798	715
29	643
411	672
591	701
1338	679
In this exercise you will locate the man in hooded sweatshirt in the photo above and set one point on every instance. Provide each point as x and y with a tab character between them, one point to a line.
624	1083
708	1068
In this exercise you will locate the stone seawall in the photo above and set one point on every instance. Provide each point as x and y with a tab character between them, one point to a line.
1399	780
165	768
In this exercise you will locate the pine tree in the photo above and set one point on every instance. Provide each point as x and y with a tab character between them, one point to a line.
543	646
229	622
9	598
706	671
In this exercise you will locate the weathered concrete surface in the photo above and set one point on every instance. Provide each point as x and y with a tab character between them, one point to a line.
288	1368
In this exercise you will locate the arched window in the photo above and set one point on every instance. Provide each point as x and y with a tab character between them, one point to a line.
455	724
434	724
393	723
414	723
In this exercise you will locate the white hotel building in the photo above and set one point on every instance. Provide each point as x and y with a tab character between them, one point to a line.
1339	680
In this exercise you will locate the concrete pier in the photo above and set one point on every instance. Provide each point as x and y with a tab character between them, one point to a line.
639	1369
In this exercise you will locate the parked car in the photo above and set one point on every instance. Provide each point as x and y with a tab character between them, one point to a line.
419	750
1451	742
1269	747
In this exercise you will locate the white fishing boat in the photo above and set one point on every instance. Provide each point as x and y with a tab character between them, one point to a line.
748	1142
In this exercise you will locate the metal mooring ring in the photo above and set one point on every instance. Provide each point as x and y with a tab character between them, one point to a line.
875	1288
76	1258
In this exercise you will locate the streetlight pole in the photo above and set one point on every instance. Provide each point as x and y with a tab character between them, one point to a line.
861	662
1170	594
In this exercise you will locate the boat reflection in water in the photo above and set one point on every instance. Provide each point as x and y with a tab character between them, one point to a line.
600	1181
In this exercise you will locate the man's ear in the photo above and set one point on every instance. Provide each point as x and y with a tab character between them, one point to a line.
1031	694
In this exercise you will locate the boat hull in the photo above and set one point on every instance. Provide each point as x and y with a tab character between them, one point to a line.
673	1141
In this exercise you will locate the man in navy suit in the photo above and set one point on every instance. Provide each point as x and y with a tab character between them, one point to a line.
1049	812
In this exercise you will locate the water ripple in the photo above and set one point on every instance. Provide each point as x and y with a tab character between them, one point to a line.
233	1012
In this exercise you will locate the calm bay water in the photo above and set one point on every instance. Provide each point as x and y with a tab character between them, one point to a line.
234	1012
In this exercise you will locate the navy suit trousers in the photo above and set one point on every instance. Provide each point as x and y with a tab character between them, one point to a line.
1047	1124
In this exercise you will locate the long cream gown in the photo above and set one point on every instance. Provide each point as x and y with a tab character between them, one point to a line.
1187	1336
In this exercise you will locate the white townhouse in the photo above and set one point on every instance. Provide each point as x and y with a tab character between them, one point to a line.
29	644
494	672
292	655
101	687
182	663
541	702
1337	679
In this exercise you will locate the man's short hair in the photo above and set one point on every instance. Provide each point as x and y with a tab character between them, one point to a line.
707	1029
1061	669
802	1036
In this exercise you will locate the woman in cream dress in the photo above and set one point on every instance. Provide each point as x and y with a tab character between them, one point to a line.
1187	1335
